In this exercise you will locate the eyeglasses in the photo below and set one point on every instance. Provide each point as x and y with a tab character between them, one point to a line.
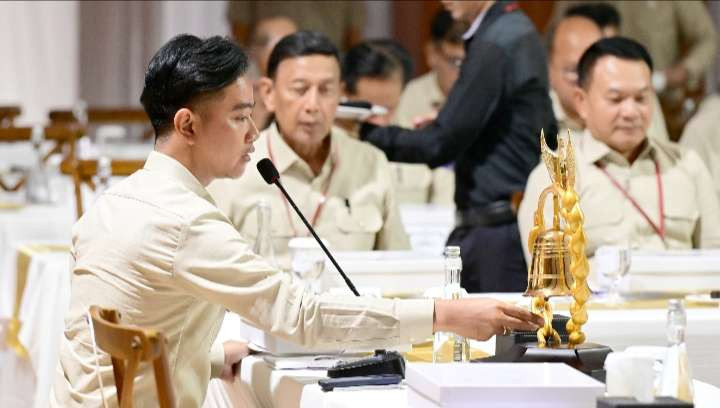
453	61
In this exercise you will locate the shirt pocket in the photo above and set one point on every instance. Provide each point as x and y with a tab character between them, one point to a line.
681	217
358	227
602	226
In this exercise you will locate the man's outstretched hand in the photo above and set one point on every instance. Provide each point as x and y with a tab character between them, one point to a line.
235	351
480	318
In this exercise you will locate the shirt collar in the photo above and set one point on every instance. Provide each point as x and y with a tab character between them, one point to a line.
564	121
475	25
284	157
594	150
167	165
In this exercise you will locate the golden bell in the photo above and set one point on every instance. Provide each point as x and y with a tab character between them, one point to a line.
549	273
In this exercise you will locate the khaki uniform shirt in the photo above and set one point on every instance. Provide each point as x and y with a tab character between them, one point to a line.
418	183
359	211
662	27
657	129
155	247
421	96
564	122
692	211
333	19
702	134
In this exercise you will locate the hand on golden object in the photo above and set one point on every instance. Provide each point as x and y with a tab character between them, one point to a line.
480	318
235	351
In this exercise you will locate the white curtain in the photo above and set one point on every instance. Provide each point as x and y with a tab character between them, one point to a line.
118	38
38	56
53	53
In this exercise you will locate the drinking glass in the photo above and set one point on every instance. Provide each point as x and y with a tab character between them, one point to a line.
619	258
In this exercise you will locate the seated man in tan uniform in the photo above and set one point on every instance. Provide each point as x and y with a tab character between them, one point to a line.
702	134
632	187
341	185
266	33
443	54
155	247
376	72
425	95
568	40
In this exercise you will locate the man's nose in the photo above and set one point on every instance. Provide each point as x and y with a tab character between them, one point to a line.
253	133
629	109
312	101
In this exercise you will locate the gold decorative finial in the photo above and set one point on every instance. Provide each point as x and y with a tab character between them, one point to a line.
557	251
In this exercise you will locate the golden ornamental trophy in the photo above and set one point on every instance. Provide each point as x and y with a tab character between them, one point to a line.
558	268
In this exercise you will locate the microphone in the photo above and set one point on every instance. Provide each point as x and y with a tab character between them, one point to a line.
271	176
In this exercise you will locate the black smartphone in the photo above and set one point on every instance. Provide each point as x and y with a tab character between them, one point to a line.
385	379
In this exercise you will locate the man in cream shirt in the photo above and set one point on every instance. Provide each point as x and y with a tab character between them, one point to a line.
155	247
633	188
701	135
569	39
424	96
342	185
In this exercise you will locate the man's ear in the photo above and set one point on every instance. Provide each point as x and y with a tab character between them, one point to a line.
184	123
581	100
266	87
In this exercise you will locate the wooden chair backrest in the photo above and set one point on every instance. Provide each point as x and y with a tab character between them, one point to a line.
60	135
102	116
8	115
128	346
83	171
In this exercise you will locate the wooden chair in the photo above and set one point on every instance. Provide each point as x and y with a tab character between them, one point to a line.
102	116
8	115
60	135
83	171
128	346
105	116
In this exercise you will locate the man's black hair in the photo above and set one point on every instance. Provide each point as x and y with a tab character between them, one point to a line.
184	69
377	59
604	15
620	47
299	44
444	28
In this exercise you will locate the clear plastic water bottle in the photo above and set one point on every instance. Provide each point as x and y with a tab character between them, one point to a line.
102	176
37	184
677	376
448	346
263	240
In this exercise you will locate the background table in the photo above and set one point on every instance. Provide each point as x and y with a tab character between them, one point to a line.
637	323
45	300
30	223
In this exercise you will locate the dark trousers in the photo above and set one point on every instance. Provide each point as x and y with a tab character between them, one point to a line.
492	258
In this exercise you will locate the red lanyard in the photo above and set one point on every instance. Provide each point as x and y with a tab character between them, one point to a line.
323	198
659	229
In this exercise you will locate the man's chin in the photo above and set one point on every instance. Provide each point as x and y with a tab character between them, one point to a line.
238	172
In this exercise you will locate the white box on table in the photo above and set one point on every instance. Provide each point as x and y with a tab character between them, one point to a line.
500	385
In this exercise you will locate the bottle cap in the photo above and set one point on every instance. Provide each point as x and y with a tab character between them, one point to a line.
452	251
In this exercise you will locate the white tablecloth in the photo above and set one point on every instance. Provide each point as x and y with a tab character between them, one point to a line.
617	328
298	388
621	328
32	223
45	300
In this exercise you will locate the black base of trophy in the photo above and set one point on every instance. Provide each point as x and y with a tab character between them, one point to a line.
626	402
521	347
